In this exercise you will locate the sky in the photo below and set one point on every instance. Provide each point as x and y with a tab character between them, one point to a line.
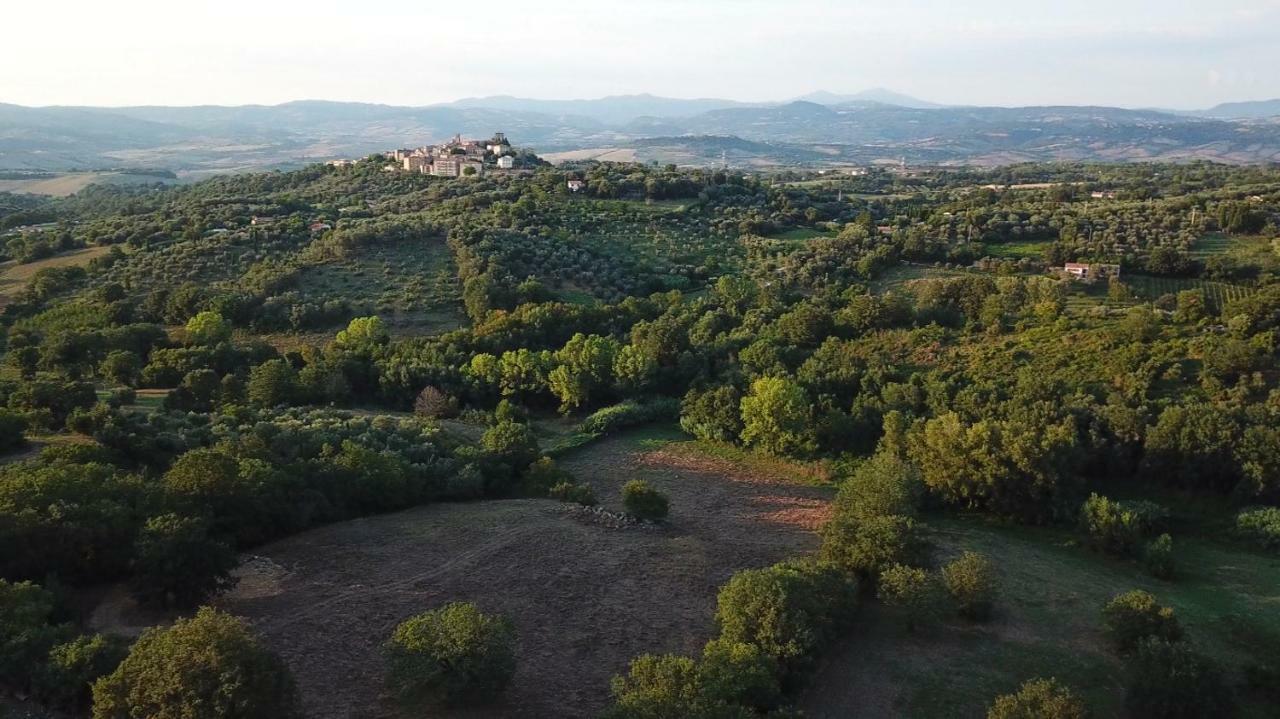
1180	54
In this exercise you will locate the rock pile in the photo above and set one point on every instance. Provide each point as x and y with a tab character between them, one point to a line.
612	520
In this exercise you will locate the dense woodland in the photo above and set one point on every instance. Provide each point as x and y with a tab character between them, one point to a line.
254	355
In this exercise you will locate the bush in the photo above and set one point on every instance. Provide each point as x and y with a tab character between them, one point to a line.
208	666
1260	526
1158	557
657	686
177	564
629	414
72	668
643	501
1038	699
1167	680
452	655
914	590
122	396
712	414
1133	616
1111	526
570	492
970	579
789	610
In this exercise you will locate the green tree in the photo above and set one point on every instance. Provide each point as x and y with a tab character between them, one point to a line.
177	564
207	667
67	675
121	367
363	334
272	383
777	417
513	442
448	656
208	328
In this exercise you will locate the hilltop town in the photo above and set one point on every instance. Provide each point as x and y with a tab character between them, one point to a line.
457	157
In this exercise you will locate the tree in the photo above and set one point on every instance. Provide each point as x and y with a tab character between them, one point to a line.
121	367
452	655
882	485
177	564
643	501
208	328
66	677
1039	699
363	334
658	686
513	442
970	580
434	403
712	414
207	667
272	383
867	544
777	417
1133	616
26	633
788	610
1167	680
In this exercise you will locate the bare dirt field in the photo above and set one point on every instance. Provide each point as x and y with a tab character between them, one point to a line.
585	599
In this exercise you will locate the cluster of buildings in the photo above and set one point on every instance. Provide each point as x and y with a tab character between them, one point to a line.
456	158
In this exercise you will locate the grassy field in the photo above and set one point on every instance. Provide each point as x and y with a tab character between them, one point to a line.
1047	624
900	276
73	182
14	276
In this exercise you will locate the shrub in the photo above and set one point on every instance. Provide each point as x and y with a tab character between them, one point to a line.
177	564
868	544
1038	699
1260	526
1158	557
451	655
208	666
657	686
1167	680
712	414
629	414
122	396
914	590
643	501
570	492
272	383
789	610
970	579
1133	616
1110	527
72	668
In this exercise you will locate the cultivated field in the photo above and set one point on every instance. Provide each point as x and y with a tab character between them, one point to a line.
14	276
73	182
585	598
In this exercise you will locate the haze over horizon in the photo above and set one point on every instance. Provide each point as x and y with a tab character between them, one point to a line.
1178	55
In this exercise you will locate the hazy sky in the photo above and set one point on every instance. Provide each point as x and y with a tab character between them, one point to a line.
1134	53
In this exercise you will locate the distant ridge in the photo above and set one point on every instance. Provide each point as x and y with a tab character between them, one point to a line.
876	94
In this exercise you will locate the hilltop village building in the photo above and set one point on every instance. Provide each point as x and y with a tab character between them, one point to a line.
457	157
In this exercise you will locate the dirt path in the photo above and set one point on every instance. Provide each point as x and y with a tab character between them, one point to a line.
585	599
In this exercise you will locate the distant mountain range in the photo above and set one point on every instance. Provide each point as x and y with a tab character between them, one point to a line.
815	129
